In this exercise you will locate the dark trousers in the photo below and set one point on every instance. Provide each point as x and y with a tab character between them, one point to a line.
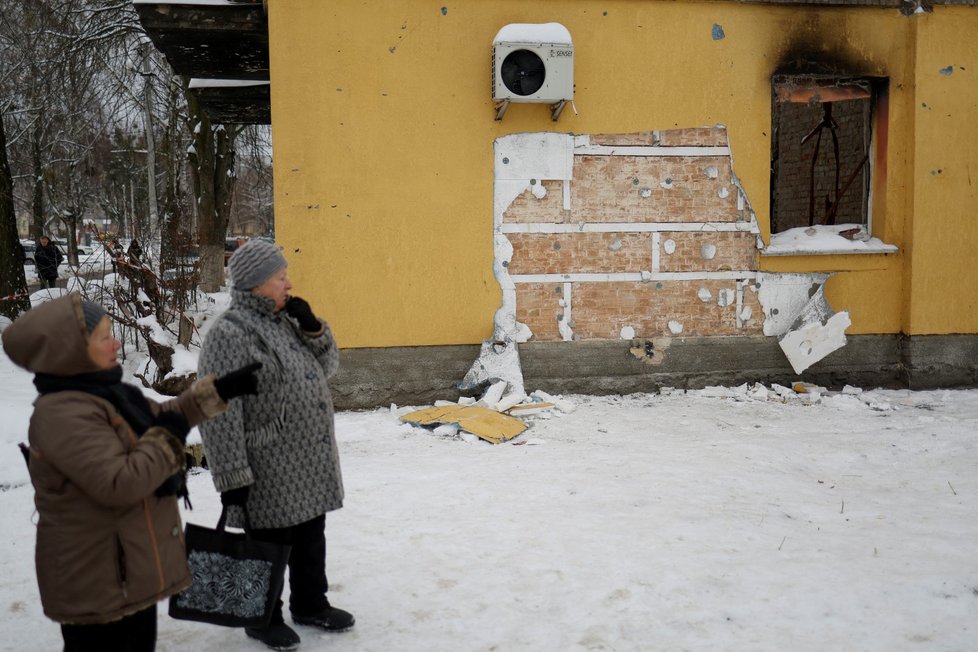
307	565
135	633
48	283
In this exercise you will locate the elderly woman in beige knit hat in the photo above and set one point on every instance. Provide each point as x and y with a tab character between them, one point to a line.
107	467
273	456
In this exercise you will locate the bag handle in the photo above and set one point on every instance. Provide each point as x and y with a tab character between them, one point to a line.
224	514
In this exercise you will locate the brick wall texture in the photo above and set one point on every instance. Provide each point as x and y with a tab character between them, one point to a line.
670	209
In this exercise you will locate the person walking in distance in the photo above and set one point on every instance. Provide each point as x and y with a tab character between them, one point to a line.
274	455
47	257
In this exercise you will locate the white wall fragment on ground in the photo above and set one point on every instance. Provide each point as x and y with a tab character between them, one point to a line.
498	361
816	332
783	296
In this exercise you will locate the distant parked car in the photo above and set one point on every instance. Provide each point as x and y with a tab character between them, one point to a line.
29	246
231	245
63	246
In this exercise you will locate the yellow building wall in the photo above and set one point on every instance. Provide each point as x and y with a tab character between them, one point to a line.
383	130
943	281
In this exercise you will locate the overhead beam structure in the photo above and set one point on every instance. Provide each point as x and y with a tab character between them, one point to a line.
216	44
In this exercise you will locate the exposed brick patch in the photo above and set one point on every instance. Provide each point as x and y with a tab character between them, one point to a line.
639	138
652	189
527	208
538	306
601	310
663	190
733	251
697	137
566	253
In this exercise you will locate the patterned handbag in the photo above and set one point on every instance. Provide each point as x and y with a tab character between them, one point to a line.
236	580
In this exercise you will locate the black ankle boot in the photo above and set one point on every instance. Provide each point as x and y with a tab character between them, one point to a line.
277	636
330	619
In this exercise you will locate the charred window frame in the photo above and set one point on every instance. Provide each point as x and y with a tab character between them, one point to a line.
827	149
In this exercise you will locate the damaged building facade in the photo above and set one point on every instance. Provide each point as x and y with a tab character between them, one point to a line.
735	192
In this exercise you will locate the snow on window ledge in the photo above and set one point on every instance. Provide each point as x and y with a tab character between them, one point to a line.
206	82
825	240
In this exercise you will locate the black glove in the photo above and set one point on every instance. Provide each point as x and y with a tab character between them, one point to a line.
175	485
300	310
175	422
237	496
238	383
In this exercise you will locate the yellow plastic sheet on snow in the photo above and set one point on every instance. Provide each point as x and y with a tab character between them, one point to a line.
482	422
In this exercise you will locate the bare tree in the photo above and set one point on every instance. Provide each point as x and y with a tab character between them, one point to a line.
253	200
100	128
13	285
212	158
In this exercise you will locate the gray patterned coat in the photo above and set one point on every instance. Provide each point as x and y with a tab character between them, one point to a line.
281	442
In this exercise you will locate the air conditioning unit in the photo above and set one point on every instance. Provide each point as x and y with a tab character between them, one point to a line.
533	63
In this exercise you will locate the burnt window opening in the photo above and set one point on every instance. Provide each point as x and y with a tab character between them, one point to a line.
822	149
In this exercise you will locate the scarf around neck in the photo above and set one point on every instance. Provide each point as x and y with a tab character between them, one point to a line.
126	398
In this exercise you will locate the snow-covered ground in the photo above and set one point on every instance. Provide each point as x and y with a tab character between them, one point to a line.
704	520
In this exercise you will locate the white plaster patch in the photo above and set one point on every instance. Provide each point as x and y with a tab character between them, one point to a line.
669	246
566	324
504	321
746	313
667	184
814	333
645	193
708	251
615	245
783	296
534	156
704	295
504	193
627	332
520	159
725	297
675	327
499	360
711	172
723	193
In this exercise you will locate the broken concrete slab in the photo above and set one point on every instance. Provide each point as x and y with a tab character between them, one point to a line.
816	332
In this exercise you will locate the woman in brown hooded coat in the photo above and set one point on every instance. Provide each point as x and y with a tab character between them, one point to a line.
106	464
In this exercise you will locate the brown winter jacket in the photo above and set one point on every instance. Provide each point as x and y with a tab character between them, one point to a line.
107	546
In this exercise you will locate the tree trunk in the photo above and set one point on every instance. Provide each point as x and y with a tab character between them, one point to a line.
71	224
13	284
213	173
